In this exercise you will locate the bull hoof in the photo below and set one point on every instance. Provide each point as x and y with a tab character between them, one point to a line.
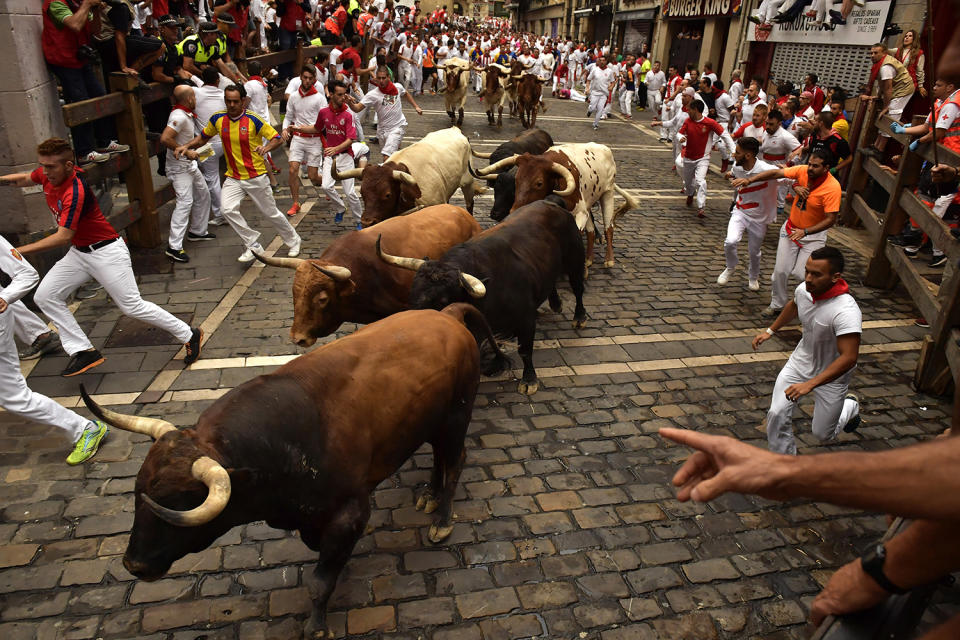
438	533
430	506
423	499
580	324
608	263
588	262
528	388
556	309
314	631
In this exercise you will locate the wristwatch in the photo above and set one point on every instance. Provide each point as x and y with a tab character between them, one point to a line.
872	564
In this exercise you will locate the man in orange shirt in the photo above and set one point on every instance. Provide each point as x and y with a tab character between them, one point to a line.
814	211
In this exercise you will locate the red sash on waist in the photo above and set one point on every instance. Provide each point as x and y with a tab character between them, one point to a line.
306	135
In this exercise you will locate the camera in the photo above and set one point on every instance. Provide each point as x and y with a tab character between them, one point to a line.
88	53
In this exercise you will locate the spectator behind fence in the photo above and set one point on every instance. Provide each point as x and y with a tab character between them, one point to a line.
65	39
120	47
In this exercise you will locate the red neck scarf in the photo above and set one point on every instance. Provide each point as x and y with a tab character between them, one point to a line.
256	78
875	72
342	108
389	90
180	107
839	288
313	90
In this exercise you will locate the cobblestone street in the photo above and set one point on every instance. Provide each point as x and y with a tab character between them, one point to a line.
567	525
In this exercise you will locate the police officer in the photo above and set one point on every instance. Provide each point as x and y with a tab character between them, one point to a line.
208	47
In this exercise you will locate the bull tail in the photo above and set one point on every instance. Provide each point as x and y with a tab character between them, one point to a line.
629	203
471	169
492	360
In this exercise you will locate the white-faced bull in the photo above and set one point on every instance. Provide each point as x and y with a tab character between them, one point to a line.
303	447
506	272
534	141
348	284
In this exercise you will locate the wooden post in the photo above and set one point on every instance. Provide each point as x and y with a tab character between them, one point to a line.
298	64
145	232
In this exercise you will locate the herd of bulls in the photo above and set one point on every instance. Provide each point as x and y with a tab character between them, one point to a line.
302	447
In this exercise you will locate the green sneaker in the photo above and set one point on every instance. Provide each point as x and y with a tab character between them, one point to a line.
88	443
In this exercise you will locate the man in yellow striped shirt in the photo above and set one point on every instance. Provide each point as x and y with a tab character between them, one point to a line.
246	138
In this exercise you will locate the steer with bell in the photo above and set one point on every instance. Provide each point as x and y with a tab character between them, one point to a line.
506	272
303	447
348	284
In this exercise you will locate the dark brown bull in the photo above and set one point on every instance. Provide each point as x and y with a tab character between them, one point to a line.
347	283
516	70
529	92
303	447
494	78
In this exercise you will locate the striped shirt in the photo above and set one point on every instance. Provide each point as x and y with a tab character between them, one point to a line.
75	207
240	137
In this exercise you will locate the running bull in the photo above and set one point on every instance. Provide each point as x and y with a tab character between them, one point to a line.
506	272
303	447
347	284
529	93
580	173
456	75
494	92
534	141
427	172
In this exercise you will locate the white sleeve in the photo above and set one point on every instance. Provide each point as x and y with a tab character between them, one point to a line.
887	72
948	115
848	320
23	276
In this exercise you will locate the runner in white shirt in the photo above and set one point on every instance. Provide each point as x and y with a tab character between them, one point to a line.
546	62
192	207
749	102
684	98
778	144
256	88
209	100
384	98
305	148
600	83
754	208
824	361
736	86
654	81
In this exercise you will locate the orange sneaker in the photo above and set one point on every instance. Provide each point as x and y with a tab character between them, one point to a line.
294	209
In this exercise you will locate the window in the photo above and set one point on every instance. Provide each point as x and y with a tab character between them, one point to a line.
845	65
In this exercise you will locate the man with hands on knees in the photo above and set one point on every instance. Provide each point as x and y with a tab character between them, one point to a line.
918	481
823	362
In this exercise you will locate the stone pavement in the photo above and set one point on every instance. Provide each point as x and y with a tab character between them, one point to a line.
566	523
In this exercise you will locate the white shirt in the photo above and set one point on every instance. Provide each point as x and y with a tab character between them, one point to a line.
545	64
736	90
389	108
655	81
209	101
303	110
758	201
186	127
823	322
888	72
723	104
334	58
779	145
748	107
601	80
292	86
712	76
258	97
23	276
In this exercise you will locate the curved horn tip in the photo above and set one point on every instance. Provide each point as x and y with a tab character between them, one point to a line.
473	285
215	477
338	273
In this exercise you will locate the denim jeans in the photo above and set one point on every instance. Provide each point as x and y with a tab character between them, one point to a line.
82	84
288	40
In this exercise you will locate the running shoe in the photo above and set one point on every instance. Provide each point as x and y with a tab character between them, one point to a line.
922	323
94	156
193	347
339	216
359	226
86	447
755	19
219	221
294	209
199	237
246	257
938	261
177	255
45	343
82	361
753	285
701	213
854	422
114	147
770	312
294	250
724	276
689	200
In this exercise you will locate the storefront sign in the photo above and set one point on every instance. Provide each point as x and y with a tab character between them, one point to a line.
699	8
642	14
864	27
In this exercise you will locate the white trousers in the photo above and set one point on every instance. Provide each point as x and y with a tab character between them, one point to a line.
390	140
210	168
262	195
598	103
111	267
417	79
16	397
27	326
193	205
739	223
626	98
767	10
344	162
830	411
695	179
792	260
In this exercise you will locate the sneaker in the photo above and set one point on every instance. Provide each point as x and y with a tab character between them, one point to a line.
294	209
781	18
82	361
854	422
938	261
94	156
724	276
294	250
246	257
45	343
86	447
87	291
922	322
701	213
779	211
219	221
359	226
595	127
905	239
810	14
114	147
198	237
770	312
373	139
339	216
193	347
912	251
689	201
276	188
753	285
755	19
177	255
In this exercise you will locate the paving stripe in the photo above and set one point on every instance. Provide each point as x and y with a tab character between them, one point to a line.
601	368
483	114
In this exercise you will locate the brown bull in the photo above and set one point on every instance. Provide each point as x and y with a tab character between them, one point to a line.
347	283
302	447
494	77
516	71
529	92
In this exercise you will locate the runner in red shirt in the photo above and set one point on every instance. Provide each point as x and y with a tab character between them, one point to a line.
96	252
698	134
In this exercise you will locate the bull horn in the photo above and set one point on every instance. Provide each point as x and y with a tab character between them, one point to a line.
273	261
211	473
153	427
499	165
473	285
340	274
412	264
568	178
516	77
480	154
346	175
403	176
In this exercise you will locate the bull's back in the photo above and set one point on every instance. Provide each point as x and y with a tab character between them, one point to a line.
438	162
594	162
427	233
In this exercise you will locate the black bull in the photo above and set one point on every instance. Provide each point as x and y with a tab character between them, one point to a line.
533	141
507	272
303	447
